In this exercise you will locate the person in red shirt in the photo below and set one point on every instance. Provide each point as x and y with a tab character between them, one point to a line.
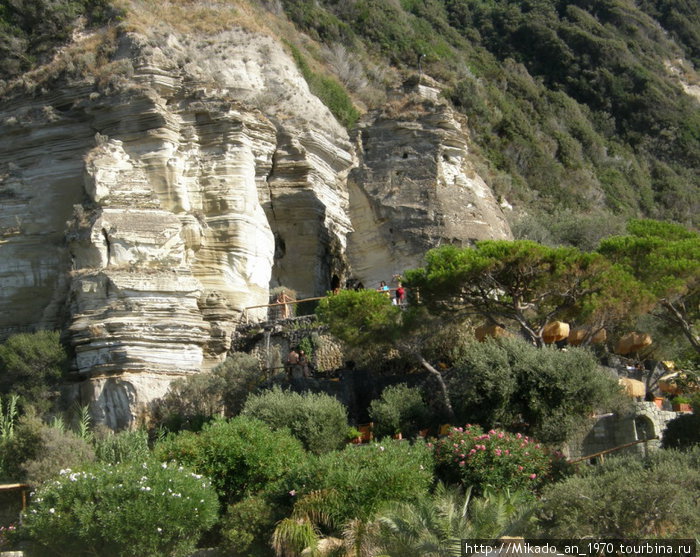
400	295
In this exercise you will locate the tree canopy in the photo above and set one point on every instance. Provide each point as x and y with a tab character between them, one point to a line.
524	282
366	319
665	259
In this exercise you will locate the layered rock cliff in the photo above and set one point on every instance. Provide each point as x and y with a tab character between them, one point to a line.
145	217
415	187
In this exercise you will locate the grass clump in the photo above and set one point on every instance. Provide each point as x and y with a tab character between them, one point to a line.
328	89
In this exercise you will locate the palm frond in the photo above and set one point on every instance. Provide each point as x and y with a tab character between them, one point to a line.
292	536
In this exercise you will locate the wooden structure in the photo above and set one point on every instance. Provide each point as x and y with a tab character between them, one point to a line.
22	488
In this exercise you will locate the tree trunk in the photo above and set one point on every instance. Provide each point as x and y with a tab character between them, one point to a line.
677	317
443	387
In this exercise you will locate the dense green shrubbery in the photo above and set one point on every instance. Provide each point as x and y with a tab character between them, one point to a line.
318	420
328	491
508	381
145	509
31	366
628	498
193	401
357	481
30	29
57	449
247	526
125	446
683	432
572	101
496	459
241	455
400	409
35	451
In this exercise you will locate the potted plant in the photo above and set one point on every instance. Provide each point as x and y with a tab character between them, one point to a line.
681	404
354	436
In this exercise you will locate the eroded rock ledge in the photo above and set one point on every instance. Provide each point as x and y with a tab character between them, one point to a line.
144	220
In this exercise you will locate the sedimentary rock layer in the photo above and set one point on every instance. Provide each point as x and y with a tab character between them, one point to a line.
147	215
415	187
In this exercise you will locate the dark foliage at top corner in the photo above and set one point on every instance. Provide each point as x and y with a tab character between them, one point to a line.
30	30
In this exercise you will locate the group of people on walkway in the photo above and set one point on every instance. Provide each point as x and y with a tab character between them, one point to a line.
283	302
399	298
297	364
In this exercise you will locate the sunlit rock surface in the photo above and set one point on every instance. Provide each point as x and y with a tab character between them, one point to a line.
148	217
415	187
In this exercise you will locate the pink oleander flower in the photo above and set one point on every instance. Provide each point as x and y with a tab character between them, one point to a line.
498	452
533	476
520	468
501	435
461	463
518	436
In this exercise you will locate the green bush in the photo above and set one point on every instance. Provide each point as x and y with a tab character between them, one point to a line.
125	446
510	381
57	449
144	509
683	432
400	409
37	451
242	376
627	497
241	456
247	526
9	414
24	445
193	401
31	366
318	420
190	402
357	481
497	459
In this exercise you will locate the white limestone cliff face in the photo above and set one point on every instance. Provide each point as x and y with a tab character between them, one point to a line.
415	187
182	210
143	219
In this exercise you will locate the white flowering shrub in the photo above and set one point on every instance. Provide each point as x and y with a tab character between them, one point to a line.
145	510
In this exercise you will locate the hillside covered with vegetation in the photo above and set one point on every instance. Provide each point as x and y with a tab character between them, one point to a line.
583	117
578	110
